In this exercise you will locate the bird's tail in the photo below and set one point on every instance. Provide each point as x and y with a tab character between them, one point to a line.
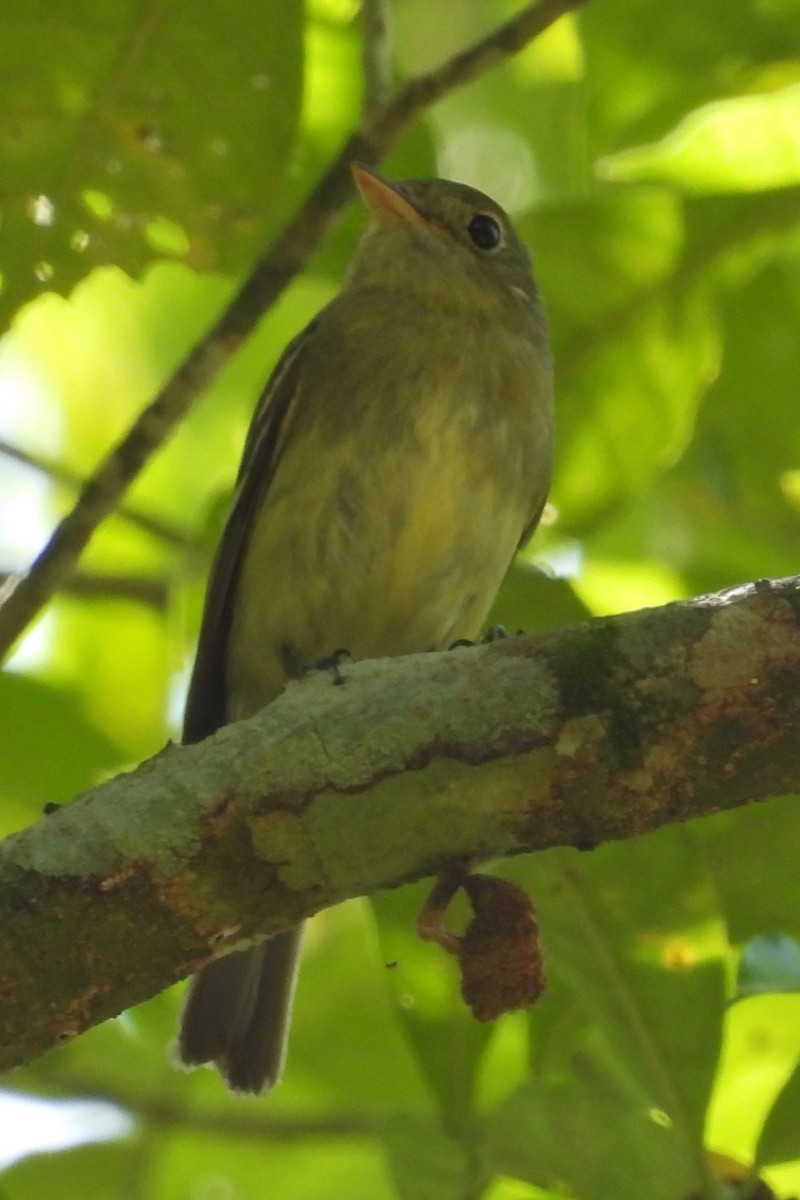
238	1010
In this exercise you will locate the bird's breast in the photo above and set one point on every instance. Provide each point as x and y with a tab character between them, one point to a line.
390	532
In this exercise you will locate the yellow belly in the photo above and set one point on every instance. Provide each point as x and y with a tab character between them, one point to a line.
400	554
393	510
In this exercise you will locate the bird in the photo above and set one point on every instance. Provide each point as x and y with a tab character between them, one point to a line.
399	456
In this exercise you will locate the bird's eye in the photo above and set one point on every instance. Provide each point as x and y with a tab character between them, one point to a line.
484	232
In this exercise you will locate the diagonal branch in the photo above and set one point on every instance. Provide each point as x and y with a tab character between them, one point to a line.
62	1079
140	589
601	731
61	474
376	56
289	253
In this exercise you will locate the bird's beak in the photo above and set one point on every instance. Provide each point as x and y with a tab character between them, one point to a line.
385	203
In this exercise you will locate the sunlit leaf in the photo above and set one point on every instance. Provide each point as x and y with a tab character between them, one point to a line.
130	133
742	144
760	1051
780	1137
632	936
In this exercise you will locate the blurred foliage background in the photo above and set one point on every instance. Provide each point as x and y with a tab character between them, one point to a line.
650	155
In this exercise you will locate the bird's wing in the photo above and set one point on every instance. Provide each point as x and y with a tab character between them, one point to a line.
206	701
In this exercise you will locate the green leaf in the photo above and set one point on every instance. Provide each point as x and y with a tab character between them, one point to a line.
423	985
345	1025
632	936
734	492
51	748
647	71
129	133
780	1138
761	1049
530	601
589	1139
636	343
424	1162
628	403
747	143
753	855
685	319
91	1172
192	1164
504	1188
596	256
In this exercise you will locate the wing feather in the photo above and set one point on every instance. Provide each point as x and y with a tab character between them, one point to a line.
206	701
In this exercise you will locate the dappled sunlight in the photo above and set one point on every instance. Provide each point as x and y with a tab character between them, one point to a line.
609	586
29	1125
740	144
761	1048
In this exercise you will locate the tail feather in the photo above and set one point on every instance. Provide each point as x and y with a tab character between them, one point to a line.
238	1010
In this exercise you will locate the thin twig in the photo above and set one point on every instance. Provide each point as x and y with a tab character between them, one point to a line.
266	282
63	475
239	1124
90	585
376	55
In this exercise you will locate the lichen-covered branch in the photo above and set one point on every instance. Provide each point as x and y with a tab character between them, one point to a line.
600	731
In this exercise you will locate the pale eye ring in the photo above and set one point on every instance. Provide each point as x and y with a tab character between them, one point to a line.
484	232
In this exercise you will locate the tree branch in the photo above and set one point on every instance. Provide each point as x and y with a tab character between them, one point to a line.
596	732
243	1123
155	593
59	473
375	58
289	253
